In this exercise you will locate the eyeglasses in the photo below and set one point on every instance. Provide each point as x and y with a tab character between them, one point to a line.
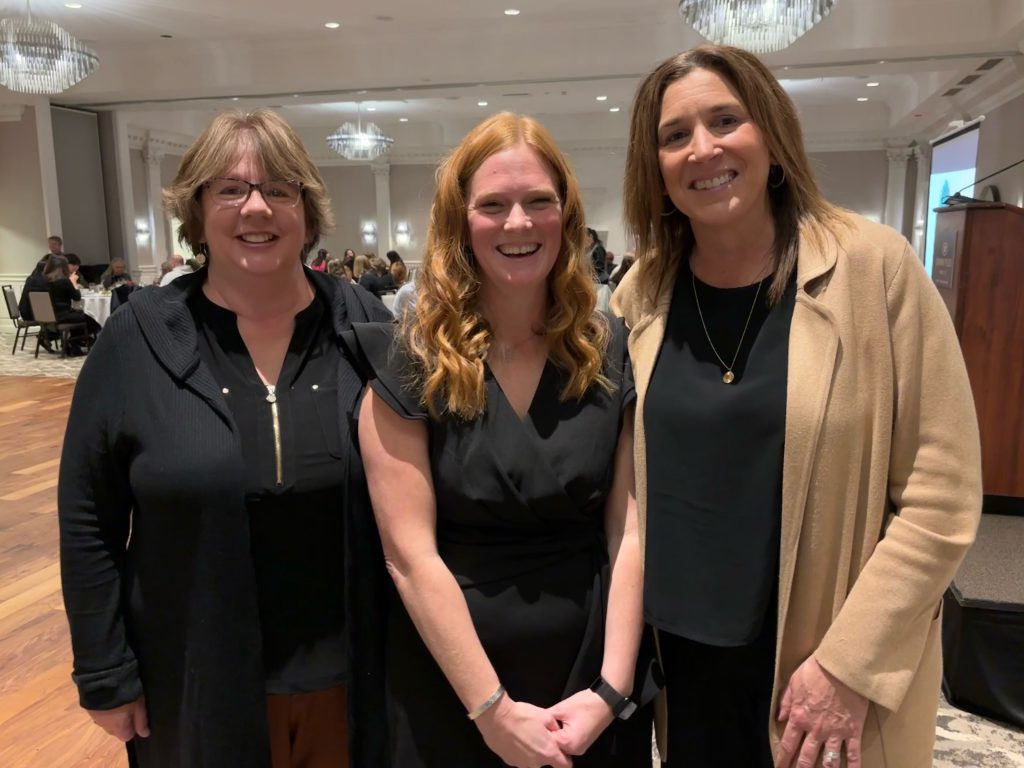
235	192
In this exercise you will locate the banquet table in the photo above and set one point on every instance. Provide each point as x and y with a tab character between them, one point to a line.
96	306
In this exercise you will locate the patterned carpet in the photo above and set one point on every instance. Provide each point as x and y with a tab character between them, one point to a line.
963	740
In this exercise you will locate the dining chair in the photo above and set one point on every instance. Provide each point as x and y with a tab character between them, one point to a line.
42	309
21	325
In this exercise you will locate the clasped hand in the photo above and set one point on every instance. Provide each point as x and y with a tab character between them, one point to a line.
821	715
525	736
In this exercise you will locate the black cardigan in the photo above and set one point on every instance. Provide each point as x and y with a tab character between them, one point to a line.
171	611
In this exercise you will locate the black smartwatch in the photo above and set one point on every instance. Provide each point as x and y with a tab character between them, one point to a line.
622	706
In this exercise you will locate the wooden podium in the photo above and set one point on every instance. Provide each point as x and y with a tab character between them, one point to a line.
979	270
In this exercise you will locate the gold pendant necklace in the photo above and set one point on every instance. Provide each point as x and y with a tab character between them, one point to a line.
728	377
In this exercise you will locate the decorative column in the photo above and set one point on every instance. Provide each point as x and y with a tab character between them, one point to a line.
155	213
923	153
382	182
47	166
896	186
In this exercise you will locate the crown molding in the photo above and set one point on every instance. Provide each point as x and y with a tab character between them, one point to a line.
161	141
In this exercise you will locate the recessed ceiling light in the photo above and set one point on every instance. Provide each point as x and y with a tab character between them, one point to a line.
872	85
234	98
613	109
511	11
862	98
74	6
403	119
332	25
371	109
481	103
881	61
602	98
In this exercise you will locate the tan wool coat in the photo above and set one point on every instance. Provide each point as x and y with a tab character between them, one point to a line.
881	479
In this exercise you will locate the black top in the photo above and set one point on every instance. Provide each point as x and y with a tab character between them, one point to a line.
172	610
62	293
520	524
377	284
35	282
714	463
294	521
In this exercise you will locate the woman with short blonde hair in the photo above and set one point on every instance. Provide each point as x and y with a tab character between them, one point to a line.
239	622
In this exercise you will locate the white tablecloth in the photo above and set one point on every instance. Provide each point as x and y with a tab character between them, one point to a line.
96	306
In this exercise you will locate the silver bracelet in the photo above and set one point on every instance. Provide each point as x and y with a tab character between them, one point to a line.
487	704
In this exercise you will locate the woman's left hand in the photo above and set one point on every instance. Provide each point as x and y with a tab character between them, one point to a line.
583	717
823	714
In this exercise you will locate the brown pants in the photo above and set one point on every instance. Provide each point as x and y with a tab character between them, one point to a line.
309	730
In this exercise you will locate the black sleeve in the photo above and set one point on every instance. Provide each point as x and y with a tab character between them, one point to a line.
94	511
372	308
390	373
618	367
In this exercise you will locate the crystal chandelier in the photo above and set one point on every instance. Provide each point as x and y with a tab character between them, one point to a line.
760	26
37	56
354	142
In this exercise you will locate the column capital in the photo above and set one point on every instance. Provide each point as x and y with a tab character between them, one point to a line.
151	155
380	167
900	154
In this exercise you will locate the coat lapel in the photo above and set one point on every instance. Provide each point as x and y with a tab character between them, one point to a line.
170	331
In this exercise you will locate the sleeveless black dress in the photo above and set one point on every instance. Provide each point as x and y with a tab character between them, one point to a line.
520	524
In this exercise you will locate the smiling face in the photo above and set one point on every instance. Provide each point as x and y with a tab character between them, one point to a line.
713	158
515	220
254	237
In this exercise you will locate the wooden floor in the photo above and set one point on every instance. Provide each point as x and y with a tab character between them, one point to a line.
41	724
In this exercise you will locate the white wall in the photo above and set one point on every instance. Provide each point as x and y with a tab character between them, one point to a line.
353	200
76	146
412	192
22	222
854	180
599	174
1002	142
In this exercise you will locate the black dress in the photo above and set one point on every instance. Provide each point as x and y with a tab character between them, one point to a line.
520	515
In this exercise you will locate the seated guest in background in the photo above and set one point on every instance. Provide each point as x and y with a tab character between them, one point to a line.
165	267
178	268
377	280
116	275
405	299
497	437
237	625
399	273
596	254
348	255
36	281
392	257
360	265
63	288
337	269
609	263
620	271
75	265
319	262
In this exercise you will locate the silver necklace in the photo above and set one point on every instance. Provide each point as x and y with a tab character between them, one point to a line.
728	377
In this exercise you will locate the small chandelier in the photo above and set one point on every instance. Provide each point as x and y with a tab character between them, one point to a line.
759	26
353	142
39	57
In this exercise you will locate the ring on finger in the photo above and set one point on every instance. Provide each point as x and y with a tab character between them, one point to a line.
831	758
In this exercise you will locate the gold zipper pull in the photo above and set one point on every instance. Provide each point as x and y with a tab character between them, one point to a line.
272	399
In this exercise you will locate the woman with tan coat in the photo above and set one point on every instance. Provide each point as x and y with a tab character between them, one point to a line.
807	456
